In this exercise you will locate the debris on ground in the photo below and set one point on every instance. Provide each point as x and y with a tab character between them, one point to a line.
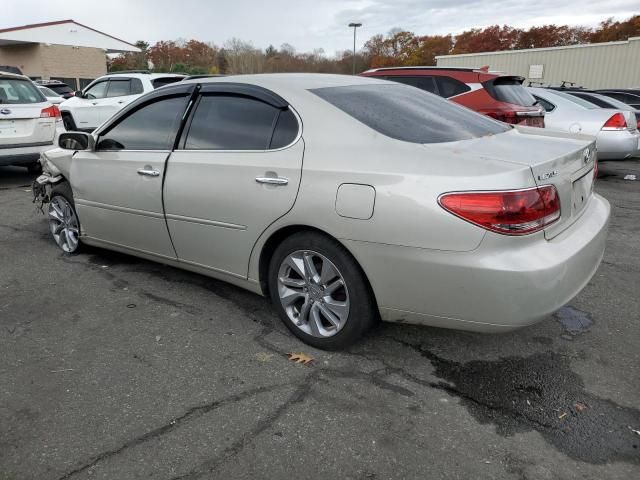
630	177
580	407
300	358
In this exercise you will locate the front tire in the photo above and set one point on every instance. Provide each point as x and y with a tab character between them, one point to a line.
63	219
320	291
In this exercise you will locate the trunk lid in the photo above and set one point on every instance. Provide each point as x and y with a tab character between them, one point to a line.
555	158
21	124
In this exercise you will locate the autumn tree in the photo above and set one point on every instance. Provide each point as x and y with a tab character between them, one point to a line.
610	31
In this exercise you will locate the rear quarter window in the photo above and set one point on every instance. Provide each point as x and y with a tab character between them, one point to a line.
408	114
449	87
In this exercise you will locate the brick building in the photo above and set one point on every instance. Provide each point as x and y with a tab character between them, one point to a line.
65	50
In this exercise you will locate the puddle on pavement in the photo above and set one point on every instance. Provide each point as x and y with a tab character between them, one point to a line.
573	321
541	393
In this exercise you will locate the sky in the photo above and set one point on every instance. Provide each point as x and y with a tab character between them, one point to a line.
305	24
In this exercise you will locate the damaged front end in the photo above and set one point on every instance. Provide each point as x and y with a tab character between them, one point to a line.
42	185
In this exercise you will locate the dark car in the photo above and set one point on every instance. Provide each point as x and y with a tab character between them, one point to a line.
630	96
10	69
62	89
493	94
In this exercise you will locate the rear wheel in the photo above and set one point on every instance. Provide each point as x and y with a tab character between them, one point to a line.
63	220
320	291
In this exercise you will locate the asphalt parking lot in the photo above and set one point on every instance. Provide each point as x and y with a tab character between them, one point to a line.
113	367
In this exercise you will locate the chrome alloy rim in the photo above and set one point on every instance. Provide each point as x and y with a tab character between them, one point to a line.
64	224
313	293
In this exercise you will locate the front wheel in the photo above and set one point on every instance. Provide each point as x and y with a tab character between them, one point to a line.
63	220
320	291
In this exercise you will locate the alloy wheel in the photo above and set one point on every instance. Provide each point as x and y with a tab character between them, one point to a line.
313	293
64	224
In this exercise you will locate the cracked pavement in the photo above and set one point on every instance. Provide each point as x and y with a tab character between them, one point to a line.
114	367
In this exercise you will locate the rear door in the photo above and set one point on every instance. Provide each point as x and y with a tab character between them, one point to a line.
236	170
22	120
118	187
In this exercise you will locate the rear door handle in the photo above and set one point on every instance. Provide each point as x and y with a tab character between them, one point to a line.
148	171
273	180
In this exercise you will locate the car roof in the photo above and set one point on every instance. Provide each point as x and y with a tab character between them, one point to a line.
292	81
16	76
151	76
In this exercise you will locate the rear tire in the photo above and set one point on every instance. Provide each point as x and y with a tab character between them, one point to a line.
320	291
64	223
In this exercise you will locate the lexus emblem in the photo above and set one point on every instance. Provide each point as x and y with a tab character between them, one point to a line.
5	111
586	155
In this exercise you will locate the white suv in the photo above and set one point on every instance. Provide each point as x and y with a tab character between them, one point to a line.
105	96
29	123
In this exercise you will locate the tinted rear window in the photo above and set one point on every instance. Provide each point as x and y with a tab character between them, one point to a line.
408	114
14	91
593	99
510	90
61	89
162	81
423	83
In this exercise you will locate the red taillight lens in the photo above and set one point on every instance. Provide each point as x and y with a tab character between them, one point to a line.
511	212
504	116
50	112
616	122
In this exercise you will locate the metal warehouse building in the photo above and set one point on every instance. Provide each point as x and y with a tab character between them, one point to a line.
596	65
65	50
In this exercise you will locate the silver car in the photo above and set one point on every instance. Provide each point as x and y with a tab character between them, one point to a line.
345	199
616	130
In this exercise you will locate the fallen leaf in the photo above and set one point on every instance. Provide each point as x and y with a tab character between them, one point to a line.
300	358
580	407
264	357
563	415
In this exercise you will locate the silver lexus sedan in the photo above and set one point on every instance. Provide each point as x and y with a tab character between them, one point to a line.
345	199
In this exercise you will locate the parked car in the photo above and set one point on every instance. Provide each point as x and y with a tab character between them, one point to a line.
616	130
629	96
29	123
105	96
494	94
487	226
603	101
61	88
10	69
50	95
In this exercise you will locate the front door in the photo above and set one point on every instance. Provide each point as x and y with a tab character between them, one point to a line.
118	187
84	108
236	171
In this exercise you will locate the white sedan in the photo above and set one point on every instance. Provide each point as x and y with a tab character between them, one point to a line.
615	130
345	199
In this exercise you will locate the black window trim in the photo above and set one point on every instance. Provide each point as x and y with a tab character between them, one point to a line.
170	92
538	98
253	92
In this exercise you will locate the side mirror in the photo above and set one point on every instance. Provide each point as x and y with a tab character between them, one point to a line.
76	141
79	94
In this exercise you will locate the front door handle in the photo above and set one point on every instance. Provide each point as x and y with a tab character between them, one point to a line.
148	171
273	180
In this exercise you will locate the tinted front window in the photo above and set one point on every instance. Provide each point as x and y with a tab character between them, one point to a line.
404	113
15	91
97	90
152	127
230	122
510	90
118	88
449	87
423	83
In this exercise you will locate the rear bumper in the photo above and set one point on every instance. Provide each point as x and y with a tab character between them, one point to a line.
23	155
618	144
506	283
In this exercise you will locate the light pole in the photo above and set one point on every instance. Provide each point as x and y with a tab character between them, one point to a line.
354	25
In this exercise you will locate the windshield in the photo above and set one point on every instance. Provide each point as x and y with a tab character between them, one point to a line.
409	114
15	91
510	90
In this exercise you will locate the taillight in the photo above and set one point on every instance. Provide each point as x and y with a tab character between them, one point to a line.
50	112
511	212
616	122
504	116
